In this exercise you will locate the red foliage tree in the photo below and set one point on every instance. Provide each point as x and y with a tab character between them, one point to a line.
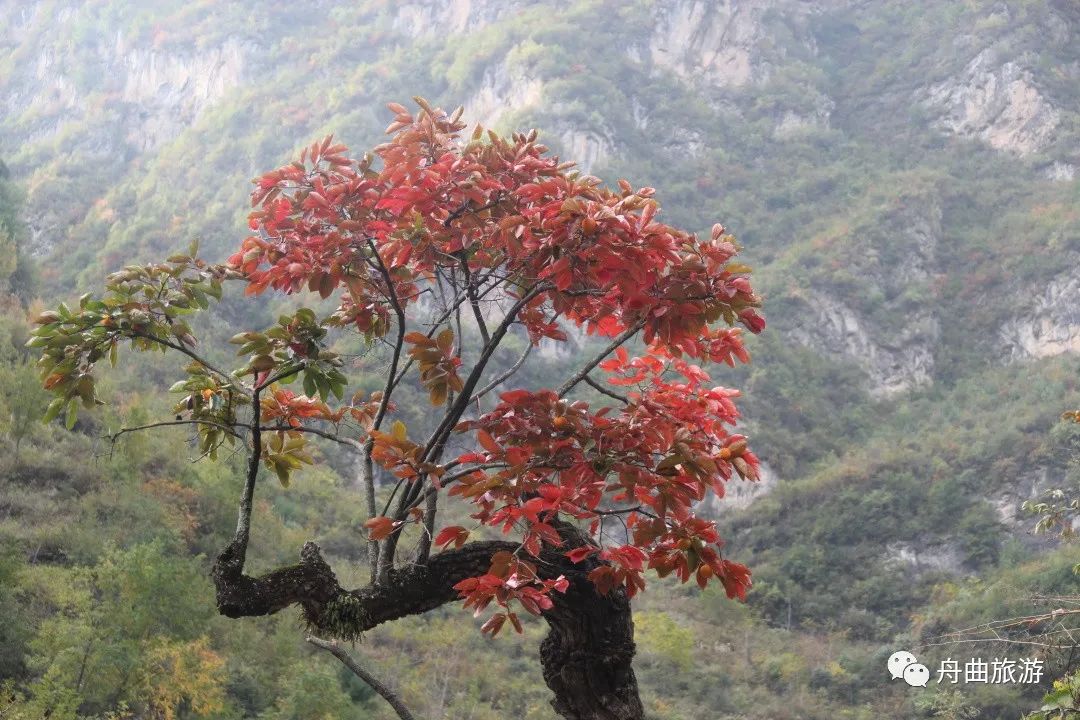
437	249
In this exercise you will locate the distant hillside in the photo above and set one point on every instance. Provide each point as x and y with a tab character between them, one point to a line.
905	177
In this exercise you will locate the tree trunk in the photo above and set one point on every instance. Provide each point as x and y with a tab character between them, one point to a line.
586	656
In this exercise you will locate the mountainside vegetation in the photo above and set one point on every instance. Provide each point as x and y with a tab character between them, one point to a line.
902	177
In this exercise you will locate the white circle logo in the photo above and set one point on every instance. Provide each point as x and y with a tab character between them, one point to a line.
898	661
916	675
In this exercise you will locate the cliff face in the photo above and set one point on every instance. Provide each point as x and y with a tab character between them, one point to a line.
1050	324
164	89
893	361
170	90
709	42
995	102
112	100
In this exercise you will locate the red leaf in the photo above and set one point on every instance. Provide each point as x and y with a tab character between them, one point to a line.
379	527
494	624
453	534
488	442
581	553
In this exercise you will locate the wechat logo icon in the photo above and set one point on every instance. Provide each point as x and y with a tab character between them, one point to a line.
903	664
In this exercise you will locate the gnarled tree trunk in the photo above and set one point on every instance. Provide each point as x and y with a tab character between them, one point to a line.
586	656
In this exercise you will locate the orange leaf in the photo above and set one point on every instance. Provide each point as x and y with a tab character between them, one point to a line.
379	527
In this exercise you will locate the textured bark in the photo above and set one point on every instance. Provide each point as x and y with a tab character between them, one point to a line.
586	656
411	590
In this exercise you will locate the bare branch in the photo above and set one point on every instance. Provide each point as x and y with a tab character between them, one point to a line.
377	685
438	439
437	442
431	508
231	429
619	340
474	301
601	389
194	356
314	431
384	403
368	473
231	559
506	375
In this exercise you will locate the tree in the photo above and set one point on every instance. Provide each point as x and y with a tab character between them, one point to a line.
434	251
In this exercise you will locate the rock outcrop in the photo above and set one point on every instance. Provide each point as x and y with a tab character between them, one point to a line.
707	40
1050	325
169	90
897	253
996	102
894	362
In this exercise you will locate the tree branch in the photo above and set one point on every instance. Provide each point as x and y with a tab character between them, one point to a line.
601	389
586	656
384	403
619	340
113	437
368	473
506	375
378	686
191	354
431	507
231	560
313	431
474	301
435	444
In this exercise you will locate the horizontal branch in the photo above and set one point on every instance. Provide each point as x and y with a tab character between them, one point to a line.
329	609
231	429
314	431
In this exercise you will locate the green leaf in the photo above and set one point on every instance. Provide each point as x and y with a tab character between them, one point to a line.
282	471
261	363
72	413
323	385
338	388
285	380
53	410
